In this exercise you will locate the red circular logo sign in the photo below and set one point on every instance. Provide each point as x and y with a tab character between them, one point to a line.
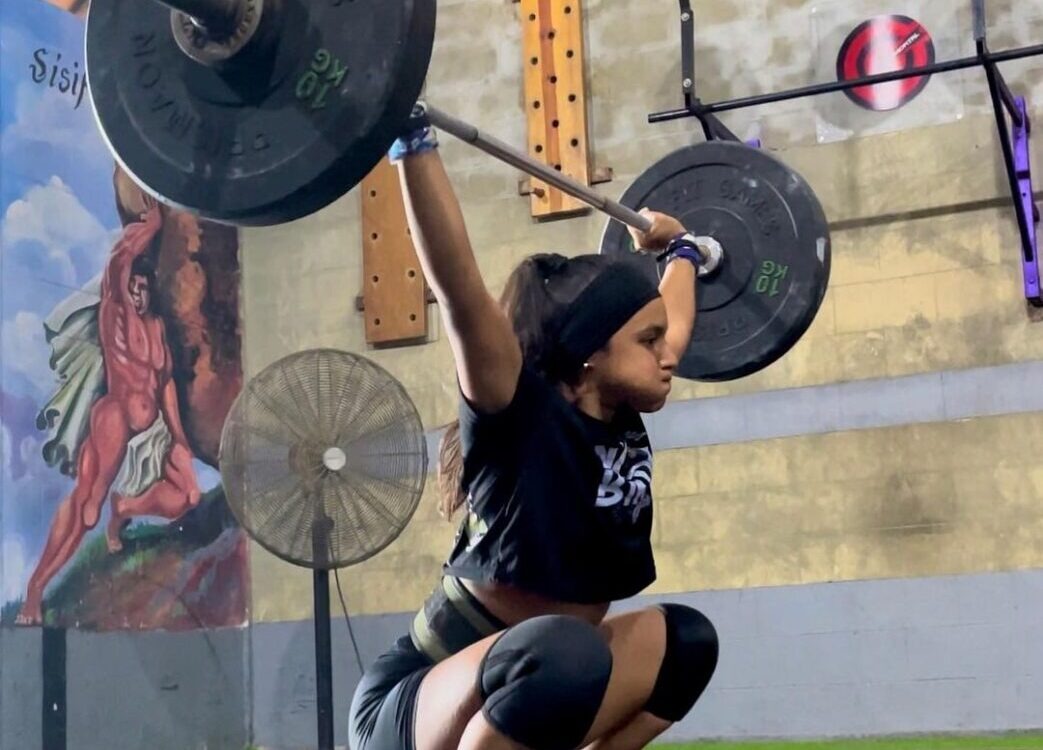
882	45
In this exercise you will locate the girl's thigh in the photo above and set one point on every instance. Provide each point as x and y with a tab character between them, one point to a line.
449	696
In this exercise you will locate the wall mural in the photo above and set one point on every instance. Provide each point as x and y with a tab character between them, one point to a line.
120	358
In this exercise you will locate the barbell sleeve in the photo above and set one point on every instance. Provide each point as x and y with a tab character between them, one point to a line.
216	16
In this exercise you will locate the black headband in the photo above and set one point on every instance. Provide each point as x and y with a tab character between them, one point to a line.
608	302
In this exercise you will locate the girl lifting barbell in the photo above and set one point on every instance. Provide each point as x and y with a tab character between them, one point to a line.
552	464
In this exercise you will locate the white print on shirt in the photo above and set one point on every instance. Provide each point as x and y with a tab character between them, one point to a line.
475	527
626	477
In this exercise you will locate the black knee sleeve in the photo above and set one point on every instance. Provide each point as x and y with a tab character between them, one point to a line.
543	681
688	663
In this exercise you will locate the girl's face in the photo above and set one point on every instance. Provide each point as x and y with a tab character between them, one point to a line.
636	367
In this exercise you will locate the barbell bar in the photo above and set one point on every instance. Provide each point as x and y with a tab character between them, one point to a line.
506	153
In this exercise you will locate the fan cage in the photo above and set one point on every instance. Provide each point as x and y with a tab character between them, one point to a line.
323	458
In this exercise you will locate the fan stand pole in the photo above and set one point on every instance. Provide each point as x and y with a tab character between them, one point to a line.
323	659
323	644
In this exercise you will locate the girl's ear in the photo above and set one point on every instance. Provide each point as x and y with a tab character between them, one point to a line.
587	375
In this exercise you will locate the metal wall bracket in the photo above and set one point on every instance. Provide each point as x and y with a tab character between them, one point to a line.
713	128
1023	174
1014	143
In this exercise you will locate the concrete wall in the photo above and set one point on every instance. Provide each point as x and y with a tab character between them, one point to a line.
893	656
906	424
126	691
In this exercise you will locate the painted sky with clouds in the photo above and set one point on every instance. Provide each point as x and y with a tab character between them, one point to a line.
57	224
57	220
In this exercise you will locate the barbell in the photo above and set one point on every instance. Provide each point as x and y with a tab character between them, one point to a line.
259	112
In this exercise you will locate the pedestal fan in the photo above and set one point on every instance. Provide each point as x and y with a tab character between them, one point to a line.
323	461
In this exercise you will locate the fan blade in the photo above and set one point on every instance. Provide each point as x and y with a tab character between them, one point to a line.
276	413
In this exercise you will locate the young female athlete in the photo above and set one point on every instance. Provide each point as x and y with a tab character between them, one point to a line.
513	649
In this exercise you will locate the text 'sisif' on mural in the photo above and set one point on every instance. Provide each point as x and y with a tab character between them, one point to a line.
120	361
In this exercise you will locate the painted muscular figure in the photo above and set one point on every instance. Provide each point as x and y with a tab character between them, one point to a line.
138	367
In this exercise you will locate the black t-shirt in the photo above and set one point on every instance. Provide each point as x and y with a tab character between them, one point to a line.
559	503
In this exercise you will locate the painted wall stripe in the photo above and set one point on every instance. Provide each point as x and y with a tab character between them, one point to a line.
840	407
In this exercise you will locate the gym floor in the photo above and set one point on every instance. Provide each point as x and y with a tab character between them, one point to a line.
997	742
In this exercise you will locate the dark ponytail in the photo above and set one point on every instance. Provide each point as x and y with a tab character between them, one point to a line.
537	291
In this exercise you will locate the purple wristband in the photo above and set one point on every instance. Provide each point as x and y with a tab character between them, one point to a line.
688	253
683	246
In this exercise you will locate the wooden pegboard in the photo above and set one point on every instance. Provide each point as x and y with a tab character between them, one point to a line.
555	98
394	293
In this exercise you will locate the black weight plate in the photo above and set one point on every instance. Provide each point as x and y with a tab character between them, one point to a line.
263	140
776	241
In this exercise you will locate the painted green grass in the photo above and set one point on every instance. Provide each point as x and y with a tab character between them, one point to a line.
1004	742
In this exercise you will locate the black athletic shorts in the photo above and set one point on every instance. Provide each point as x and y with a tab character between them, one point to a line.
384	706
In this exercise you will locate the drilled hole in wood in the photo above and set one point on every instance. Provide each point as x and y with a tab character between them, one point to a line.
551	34
536	105
557	167
553	79
570	54
575	142
532	16
374	235
539	149
372	193
568	9
535	61
376	279
412	316
411	273
572	97
554	123
376	321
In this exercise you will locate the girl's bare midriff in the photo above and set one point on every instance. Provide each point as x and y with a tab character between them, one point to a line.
512	605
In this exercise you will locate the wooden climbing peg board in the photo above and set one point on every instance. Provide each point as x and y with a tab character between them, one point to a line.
555	98
394	292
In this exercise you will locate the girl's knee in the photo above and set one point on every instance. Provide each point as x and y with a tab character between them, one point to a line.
689	661
543	681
